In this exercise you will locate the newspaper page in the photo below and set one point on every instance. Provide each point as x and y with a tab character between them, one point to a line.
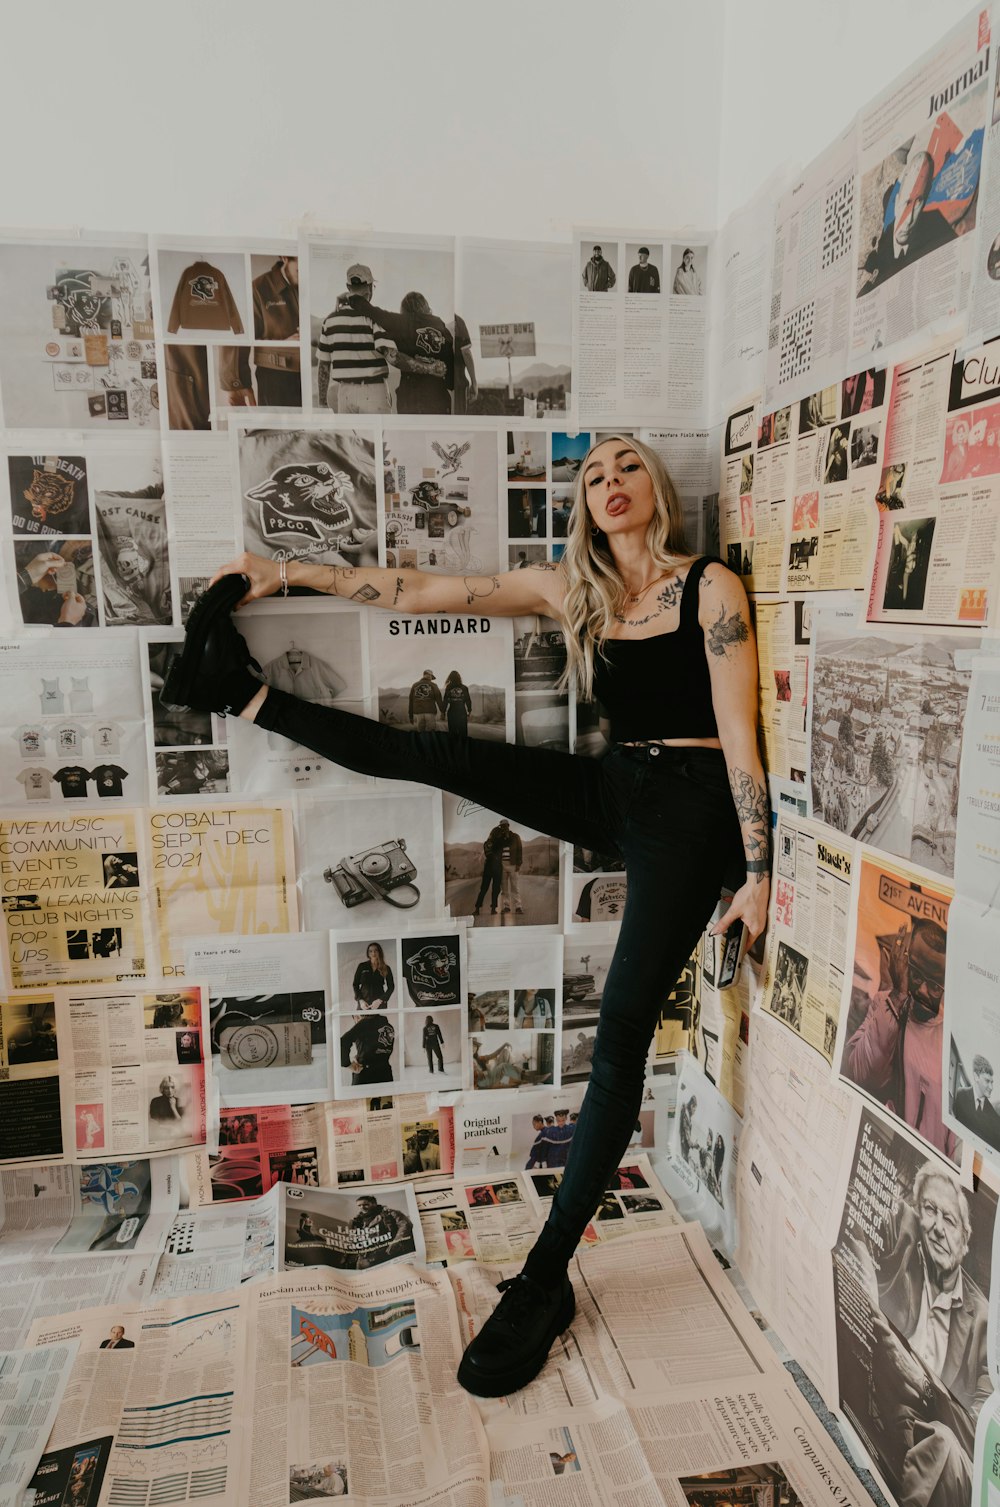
213	298
168	1387
44	1285
387	1137
835	483
744	248
209	1250
971	1040
885	736
938	493
31	1390
977	839
784	1258
74	713
347	1230
268	1030
78	334
442	509
640	324
74	898
807	931
784	636
811	275
984	306
635	1199
392	840
63	1211
492	1222
260	1145
891	1039
703	1153
137	1078
410	1035
513	328
912	1238
501	1134
920	145
200	482
748	520
232	866
393	298
354	1391
34	1097
726	983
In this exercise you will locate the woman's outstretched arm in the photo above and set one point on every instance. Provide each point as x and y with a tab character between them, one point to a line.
538	589
731	649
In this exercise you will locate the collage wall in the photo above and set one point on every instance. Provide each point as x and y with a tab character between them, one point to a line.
262	1013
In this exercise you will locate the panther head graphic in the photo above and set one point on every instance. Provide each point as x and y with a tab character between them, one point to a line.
50	494
315	487
432	966
204	288
429	341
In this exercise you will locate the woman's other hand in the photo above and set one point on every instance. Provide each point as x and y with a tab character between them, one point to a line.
749	905
263	575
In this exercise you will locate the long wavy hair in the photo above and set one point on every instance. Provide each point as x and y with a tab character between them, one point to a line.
595	591
381	966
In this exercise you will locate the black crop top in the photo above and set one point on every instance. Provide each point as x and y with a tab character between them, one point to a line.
659	687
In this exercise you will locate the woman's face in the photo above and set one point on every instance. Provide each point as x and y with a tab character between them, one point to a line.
373	955
618	489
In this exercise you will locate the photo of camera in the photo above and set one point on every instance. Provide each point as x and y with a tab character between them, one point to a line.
375	874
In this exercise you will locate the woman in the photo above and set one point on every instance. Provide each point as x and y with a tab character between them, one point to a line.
457	704
374	984
665	642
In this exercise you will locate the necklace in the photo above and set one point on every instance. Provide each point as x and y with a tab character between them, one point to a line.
633	598
670	594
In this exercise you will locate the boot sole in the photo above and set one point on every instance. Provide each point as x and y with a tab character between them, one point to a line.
500	1384
217	602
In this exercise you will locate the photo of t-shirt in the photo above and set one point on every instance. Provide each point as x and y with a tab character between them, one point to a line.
108	779
106	737
73	781
69	738
30	740
36	783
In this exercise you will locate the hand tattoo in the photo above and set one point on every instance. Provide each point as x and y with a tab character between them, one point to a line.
754	811
727	631
480	586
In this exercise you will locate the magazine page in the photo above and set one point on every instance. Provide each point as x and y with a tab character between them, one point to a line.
977	835
260	1145
269	996
755	484
640	323
784	637
744	247
75	897
66	1211
388	1137
34	1094
138	1075
920	146
347	1230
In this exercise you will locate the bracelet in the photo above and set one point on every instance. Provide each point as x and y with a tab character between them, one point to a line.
758	866
283	576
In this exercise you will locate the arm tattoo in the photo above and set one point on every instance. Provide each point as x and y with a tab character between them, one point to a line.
339	574
754	812
480	586
726	631
399	590
544	565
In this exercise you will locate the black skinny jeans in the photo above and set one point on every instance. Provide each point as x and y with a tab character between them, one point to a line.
667	811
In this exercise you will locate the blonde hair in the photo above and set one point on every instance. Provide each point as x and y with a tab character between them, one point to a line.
595	591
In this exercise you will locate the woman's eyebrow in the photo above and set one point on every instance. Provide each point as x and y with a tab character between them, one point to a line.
618	455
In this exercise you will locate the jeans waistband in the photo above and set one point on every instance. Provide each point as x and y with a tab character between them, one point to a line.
661	753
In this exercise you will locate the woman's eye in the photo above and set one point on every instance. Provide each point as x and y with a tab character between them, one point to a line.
632	466
595	481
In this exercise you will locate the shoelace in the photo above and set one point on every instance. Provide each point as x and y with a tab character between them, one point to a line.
521	1296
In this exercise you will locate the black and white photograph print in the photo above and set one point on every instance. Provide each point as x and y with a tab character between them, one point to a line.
309	494
688	270
599	265
645	266
790	970
585	971
317	1481
521	555
370	860
499	872
172	726
835	463
56	586
431	966
192	771
515	306
368	973
818	409
370	1050
864	445
393	304
78	348
441	498
578	1052
539	653
176	1106
909	558
740	1486
432	1049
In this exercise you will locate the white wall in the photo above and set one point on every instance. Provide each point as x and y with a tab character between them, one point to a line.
514	119
796	71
